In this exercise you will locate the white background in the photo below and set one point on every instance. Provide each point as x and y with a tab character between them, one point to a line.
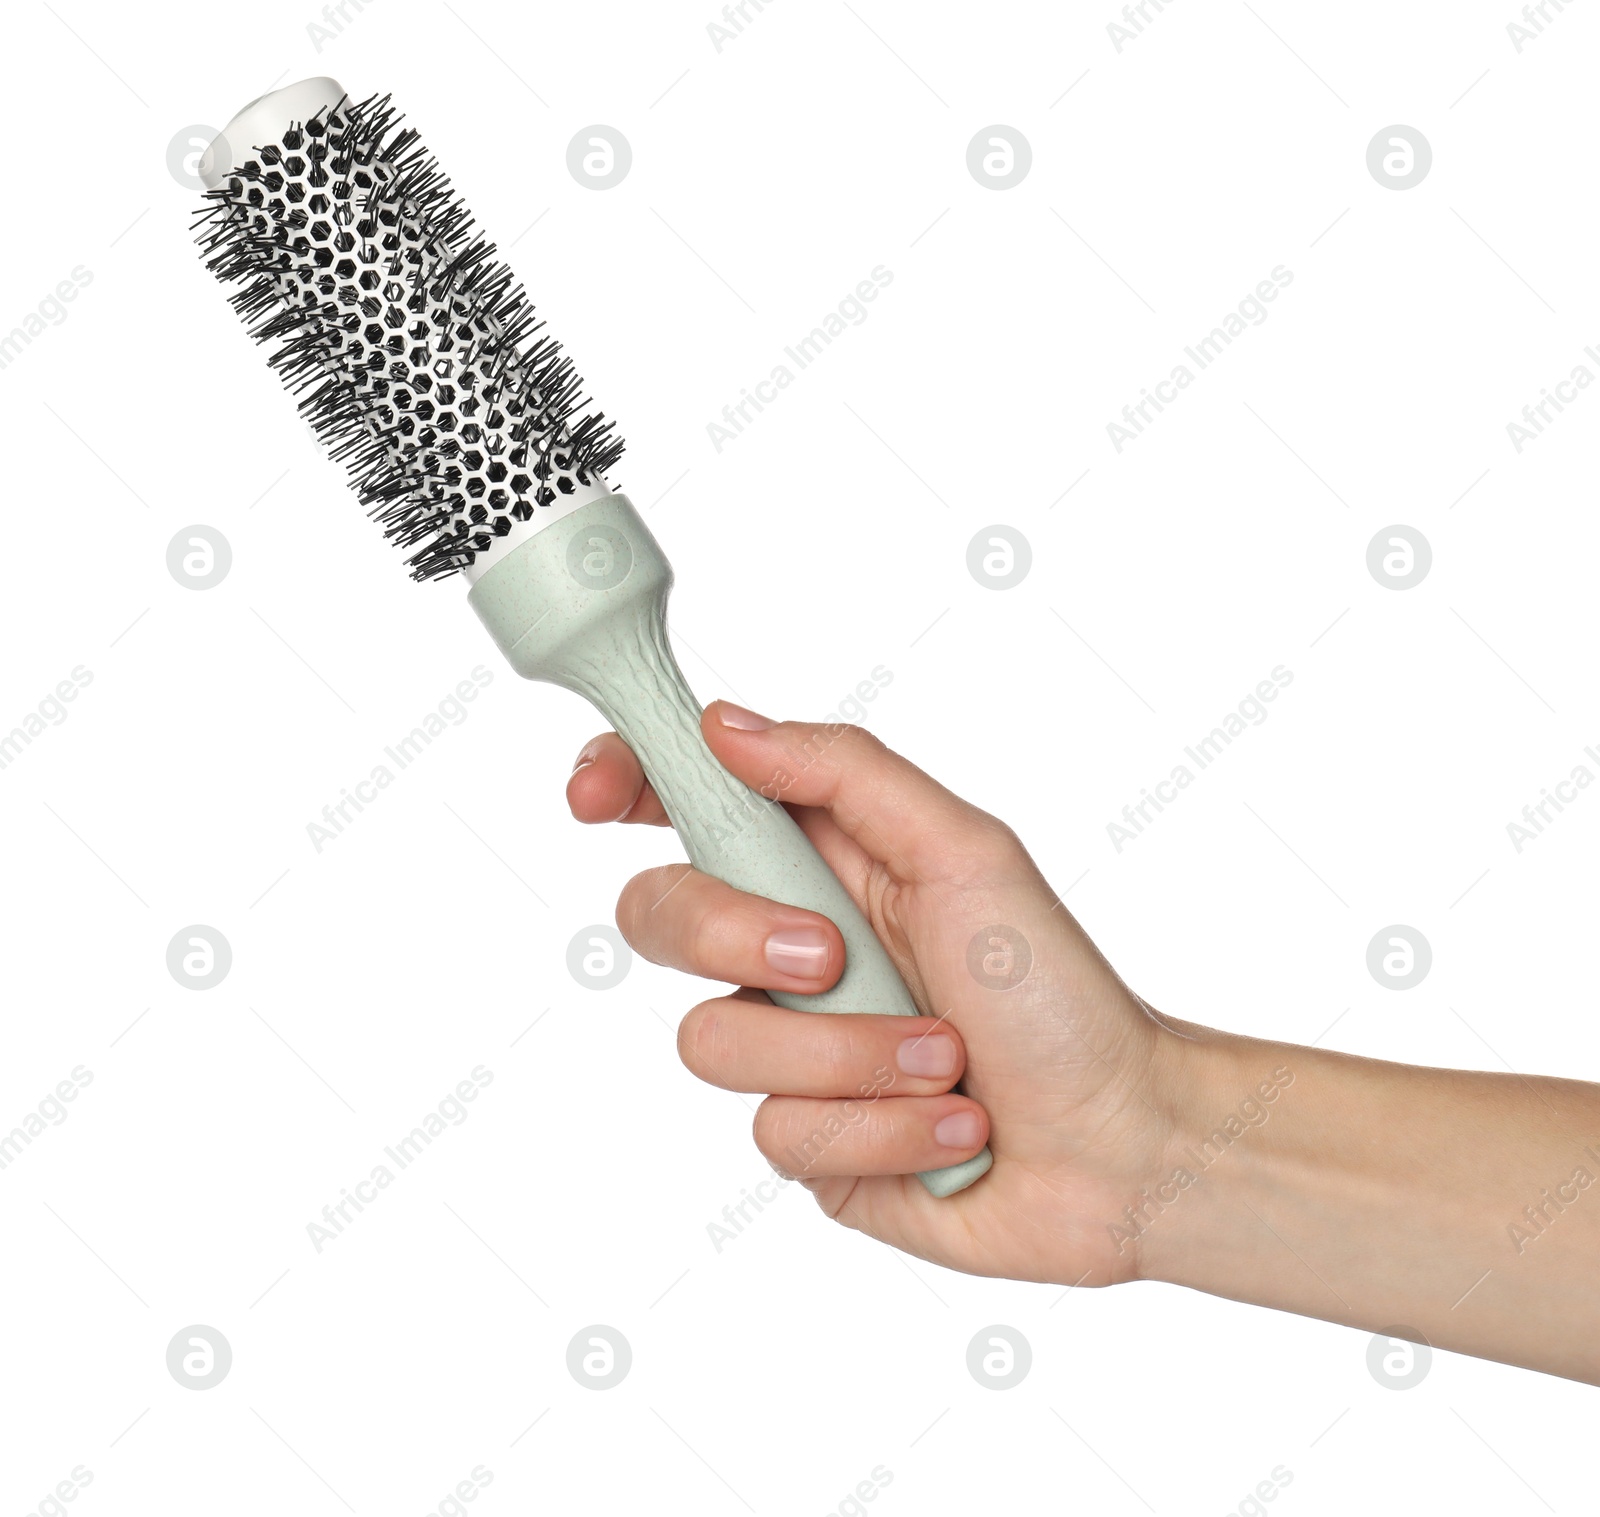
768	178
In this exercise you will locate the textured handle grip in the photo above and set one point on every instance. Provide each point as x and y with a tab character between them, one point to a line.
582	604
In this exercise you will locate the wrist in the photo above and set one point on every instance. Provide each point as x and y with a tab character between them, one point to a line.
1222	1096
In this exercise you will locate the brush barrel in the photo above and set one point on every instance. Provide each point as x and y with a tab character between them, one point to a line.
582	604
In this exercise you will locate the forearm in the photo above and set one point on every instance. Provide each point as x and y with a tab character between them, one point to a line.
1464	1205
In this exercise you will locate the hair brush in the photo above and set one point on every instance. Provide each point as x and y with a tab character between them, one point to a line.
421	365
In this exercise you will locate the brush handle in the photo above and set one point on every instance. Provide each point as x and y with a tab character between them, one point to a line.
582	604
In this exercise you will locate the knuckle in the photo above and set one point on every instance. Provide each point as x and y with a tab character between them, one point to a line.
838	1053
859	742
991	847
853	744
704	943
998	838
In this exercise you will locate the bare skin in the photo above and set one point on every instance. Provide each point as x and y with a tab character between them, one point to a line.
1460	1205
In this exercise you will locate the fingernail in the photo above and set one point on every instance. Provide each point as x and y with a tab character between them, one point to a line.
959	1130
799	951
933	1055
745	721
586	756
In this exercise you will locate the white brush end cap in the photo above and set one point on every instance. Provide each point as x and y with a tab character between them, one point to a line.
265	120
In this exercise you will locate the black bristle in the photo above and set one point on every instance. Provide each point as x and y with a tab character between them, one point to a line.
417	356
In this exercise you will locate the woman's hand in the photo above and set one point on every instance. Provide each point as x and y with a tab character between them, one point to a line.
1462	1206
1065	1072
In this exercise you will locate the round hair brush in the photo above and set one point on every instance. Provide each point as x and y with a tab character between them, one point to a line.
421	364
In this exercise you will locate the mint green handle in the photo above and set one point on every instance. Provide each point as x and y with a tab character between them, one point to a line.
582	604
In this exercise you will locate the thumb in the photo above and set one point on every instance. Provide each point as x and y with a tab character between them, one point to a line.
889	808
